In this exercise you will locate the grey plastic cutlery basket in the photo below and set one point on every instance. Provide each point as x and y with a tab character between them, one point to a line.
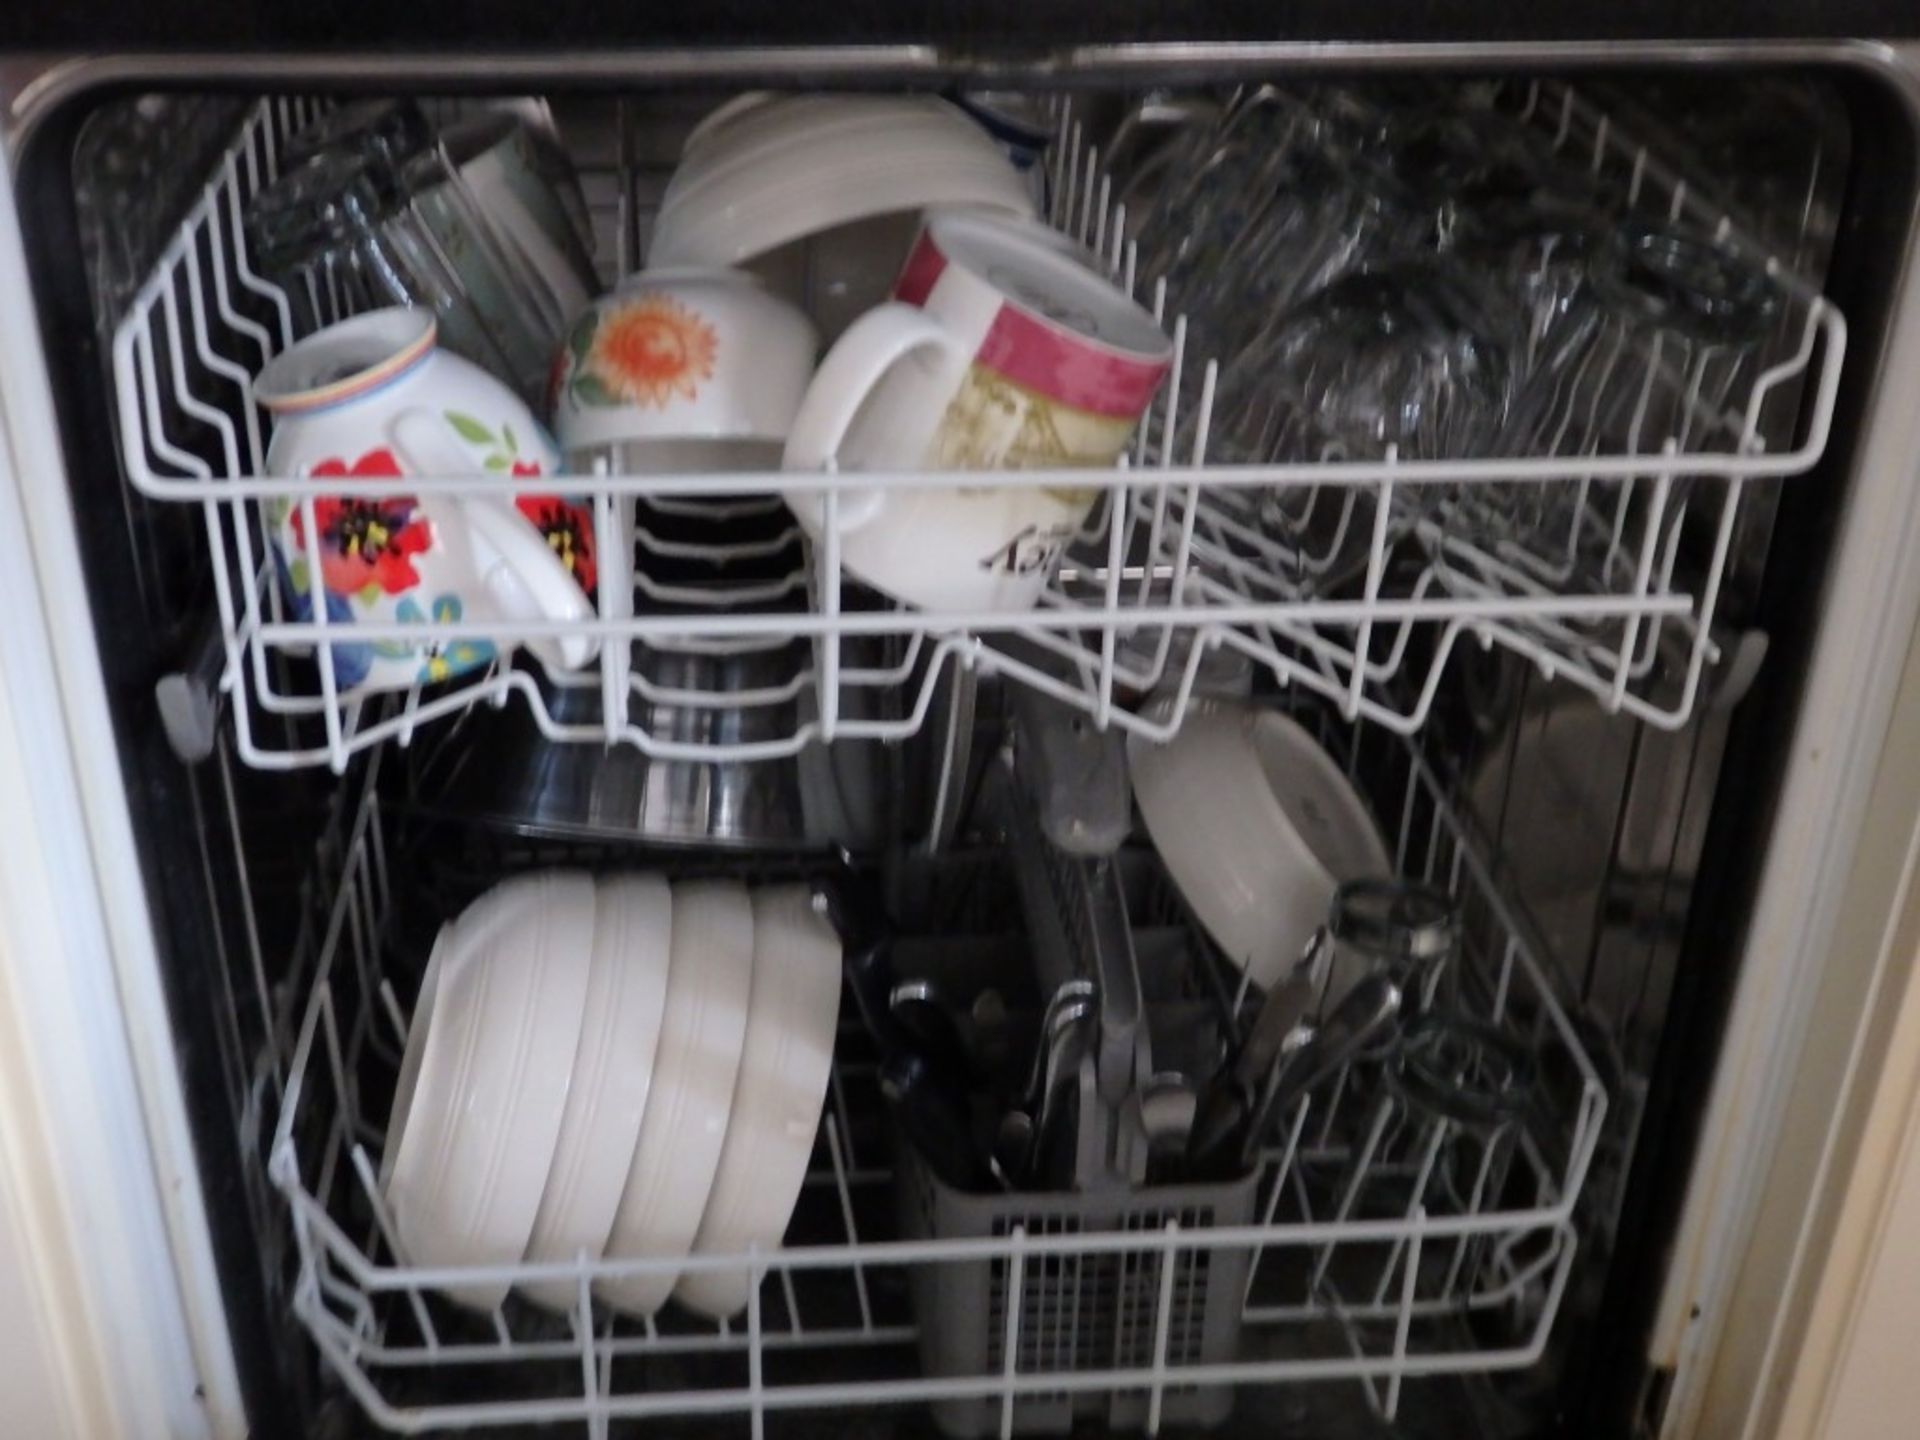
1081	1311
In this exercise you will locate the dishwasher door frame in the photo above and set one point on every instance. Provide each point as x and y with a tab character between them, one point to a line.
1870	617
131	1305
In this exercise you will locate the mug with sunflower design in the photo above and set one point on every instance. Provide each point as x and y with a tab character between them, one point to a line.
679	371
682	368
373	397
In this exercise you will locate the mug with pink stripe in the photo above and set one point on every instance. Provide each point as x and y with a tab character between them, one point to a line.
1002	350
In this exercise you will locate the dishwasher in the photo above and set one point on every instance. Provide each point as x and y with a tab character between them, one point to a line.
1601	685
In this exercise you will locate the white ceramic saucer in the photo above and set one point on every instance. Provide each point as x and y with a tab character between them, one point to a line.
503	1025
612	1073
776	1100
686	1118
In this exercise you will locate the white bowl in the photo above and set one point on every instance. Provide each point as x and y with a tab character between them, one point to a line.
686	1119
783	169
409	1082
785	1062
612	1072
1257	827
491	1087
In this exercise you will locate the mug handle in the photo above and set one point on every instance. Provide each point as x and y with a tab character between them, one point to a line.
859	360
519	574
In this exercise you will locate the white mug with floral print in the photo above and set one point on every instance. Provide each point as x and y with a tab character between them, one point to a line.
679	371
1000	351
373	396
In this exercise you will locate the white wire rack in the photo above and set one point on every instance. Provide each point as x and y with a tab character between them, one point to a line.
1618	595
1361	1267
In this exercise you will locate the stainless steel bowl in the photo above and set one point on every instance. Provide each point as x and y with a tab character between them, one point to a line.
508	774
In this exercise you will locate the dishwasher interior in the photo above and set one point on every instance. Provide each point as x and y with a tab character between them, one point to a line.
1524	651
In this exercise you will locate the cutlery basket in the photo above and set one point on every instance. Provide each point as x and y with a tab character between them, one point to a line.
1079	1311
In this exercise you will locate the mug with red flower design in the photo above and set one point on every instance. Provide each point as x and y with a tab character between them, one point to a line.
1002	350
374	397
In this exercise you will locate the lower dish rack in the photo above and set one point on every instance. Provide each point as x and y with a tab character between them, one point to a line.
1004	1313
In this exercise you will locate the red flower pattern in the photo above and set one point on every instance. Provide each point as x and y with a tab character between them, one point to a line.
366	540
567	529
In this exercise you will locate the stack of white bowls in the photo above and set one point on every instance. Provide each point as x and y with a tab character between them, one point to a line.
622	1068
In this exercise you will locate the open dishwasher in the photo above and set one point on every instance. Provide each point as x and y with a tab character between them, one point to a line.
1525	652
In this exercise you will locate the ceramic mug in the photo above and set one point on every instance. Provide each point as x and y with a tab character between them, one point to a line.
1001	351
683	370
679	357
375	396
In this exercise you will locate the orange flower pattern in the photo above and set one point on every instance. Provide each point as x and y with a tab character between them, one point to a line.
647	351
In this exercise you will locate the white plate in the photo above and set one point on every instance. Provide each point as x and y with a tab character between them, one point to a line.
491	1086
686	1119
784	169
776	1100
409	1082
1256	825
612	1072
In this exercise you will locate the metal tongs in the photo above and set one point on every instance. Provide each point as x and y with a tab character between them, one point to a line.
1284	1055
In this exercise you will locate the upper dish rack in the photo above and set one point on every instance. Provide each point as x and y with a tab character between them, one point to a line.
1618	594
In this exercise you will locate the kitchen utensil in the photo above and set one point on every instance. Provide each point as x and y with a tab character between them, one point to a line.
785	168
375	396
1235	1094
1169	1107
935	1119
1256	825
1367	1010
869	967
1464	1069
489	1097
1012	1152
1069	1045
709	985
612	1074
1291	1048
930	1027
1000	351
1016	1139
1404	927
785	1057
1067	1004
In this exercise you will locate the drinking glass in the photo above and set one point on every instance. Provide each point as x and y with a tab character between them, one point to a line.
1415	355
375	218
385	133
1647	332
